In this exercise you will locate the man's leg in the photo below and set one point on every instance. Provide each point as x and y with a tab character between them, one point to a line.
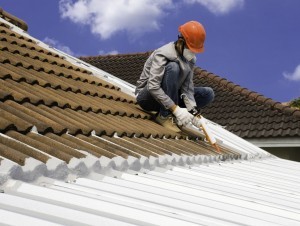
146	101
203	96
170	85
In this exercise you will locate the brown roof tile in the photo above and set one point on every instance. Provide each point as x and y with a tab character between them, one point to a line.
10	121
23	148
156	145
50	150
143	143
12	154
139	151
242	111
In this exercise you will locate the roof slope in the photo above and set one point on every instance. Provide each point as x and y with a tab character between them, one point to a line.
52	109
262	192
243	112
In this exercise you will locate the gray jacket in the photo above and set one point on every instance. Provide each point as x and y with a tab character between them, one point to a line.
154	70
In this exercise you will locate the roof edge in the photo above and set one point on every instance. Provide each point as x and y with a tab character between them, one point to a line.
13	19
116	55
252	95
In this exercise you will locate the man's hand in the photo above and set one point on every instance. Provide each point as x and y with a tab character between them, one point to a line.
196	121
183	116
195	111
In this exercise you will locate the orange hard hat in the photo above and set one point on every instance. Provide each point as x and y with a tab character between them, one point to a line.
194	34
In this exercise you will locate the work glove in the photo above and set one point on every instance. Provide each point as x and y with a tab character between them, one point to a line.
197	121
183	116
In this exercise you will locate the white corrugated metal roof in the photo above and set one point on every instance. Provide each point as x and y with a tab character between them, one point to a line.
259	192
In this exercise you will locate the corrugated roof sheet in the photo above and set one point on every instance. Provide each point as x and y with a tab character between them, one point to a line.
244	112
260	192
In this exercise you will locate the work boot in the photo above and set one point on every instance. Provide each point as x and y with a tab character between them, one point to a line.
168	122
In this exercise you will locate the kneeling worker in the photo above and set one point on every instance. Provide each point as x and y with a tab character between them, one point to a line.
166	83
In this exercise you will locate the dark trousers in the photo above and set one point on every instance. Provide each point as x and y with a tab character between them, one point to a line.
203	95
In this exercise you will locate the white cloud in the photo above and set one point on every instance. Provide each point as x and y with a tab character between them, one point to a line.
295	76
108	17
219	7
113	52
56	44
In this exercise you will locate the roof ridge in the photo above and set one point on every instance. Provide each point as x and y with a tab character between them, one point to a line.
116	55
252	95
13	19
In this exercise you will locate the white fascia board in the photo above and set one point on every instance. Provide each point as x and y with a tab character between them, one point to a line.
276	142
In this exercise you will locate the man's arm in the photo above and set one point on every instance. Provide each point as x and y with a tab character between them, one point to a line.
155	79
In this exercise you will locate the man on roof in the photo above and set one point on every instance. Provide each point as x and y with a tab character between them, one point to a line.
166	82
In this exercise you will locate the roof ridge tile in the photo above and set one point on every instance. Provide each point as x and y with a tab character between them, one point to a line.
13	19
115	55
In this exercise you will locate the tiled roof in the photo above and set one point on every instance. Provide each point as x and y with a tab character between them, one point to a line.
243	112
52	109
125	66
247	113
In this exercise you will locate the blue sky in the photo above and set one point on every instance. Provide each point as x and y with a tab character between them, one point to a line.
253	43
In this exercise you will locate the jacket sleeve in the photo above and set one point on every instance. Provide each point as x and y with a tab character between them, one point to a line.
156	75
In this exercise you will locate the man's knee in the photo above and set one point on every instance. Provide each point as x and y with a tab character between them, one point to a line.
204	96
204	91
210	94
173	67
